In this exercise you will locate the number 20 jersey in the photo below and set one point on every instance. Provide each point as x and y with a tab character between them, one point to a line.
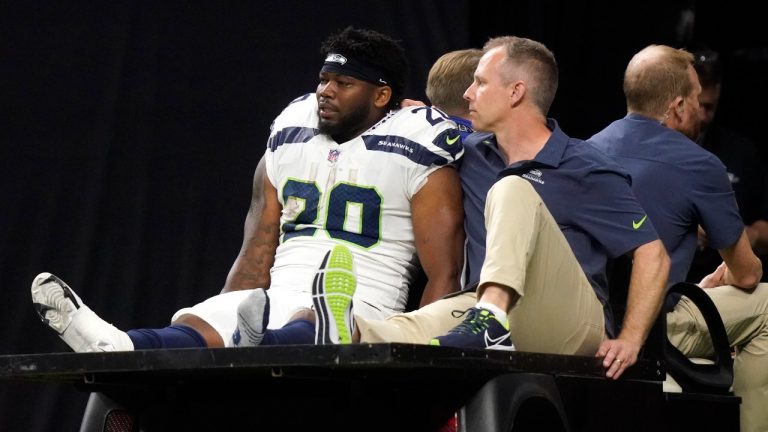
357	193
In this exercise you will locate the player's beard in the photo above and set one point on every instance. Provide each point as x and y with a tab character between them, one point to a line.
347	126
693	129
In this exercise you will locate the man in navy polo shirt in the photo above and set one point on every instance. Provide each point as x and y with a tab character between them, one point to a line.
682	186
739	154
560	210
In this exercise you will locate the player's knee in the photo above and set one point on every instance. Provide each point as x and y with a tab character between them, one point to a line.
303	314
211	336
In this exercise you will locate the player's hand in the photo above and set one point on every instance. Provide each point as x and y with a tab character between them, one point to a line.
716	278
703	239
411	103
618	355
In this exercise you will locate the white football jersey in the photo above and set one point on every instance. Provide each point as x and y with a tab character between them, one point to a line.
357	193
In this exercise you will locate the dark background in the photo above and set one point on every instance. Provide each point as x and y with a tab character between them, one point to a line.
129	131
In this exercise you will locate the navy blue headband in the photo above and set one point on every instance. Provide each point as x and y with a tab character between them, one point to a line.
340	64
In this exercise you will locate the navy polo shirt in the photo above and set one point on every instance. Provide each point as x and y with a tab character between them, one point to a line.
679	184
588	194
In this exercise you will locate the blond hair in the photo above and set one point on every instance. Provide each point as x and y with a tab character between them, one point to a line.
449	77
655	77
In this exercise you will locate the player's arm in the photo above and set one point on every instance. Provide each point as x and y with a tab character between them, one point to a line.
260	237
741	267
757	232
647	285
438	226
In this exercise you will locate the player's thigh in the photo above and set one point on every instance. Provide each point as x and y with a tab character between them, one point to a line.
219	312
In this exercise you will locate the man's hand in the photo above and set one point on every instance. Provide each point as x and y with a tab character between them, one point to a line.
647	285
410	103
618	355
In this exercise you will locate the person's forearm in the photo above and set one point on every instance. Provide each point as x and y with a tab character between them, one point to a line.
251	268
744	268
261	232
650	271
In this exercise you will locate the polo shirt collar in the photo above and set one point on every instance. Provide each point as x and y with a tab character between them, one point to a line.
640	117
554	149
551	155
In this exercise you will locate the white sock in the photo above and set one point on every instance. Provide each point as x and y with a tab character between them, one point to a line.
500	314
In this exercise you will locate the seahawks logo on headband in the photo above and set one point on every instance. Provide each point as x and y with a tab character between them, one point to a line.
338	63
336	58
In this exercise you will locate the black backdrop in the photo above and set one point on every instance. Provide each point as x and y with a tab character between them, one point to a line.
129	131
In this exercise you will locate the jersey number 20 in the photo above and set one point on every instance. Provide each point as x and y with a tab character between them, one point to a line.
343	198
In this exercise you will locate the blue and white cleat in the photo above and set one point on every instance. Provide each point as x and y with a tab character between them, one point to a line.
332	291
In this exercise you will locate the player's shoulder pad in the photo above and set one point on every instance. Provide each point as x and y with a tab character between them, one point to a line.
450	141
295	124
424	135
301	98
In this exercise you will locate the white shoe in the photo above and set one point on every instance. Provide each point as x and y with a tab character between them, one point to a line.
252	319
63	311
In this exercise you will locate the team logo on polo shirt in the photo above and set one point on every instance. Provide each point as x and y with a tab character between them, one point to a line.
533	175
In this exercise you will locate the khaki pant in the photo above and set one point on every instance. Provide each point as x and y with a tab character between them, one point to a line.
744	315
558	311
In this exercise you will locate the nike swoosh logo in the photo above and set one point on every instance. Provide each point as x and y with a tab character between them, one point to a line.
489	341
638	224
452	141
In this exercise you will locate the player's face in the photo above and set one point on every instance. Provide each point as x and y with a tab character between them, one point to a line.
345	106
488	96
690	123
708	100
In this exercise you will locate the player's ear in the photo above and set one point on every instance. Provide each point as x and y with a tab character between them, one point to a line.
382	96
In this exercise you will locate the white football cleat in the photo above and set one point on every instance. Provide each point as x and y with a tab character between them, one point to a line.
63	311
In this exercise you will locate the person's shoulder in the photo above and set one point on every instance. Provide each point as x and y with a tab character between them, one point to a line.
688	155
421	124
585	157
301	112
426	133
586	150
302	105
604	138
476	139
639	138
418	118
296	123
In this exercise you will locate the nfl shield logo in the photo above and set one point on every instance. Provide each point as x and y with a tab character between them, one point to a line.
333	156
